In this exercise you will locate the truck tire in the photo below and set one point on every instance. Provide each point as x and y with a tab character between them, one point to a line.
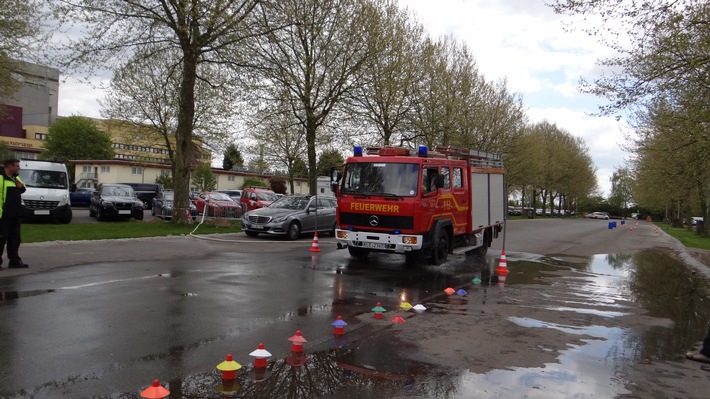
360	253
441	248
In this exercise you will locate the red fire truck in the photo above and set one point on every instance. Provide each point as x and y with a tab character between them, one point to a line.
420	203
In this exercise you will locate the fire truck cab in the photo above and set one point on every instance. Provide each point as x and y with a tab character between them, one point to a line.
419	203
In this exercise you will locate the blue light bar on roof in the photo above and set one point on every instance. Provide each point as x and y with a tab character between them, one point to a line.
357	151
423	151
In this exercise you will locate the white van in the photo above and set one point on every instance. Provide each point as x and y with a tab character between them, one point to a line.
47	195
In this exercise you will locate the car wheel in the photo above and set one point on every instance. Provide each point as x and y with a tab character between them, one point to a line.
440	252
65	219
251	233
139	216
294	231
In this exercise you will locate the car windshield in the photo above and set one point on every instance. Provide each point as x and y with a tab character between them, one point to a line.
266	196
115	191
43	178
290	202
219	197
380	178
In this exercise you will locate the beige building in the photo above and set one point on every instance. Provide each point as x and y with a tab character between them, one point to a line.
90	173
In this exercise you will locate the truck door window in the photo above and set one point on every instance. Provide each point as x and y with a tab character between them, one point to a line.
458	182
447	178
429	180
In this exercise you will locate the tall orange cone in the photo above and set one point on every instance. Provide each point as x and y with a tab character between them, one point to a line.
502	270
315	247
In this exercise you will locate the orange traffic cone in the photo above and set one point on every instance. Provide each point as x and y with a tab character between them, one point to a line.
502	270
315	247
155	391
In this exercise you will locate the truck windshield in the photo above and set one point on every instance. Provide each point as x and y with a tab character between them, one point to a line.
378	178
43	178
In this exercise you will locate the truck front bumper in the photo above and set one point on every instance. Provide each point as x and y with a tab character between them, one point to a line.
397	243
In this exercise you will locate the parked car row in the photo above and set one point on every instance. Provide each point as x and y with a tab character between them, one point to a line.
291	216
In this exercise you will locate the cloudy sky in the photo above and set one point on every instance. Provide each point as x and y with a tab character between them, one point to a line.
522	41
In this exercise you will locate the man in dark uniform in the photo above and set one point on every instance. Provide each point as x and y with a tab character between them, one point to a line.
10	212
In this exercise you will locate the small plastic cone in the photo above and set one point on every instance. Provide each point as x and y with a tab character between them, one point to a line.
397	320
502	269
297	342
155	391
405	306
315	247
339	326
229	368
419	307
260	356
378	311
449	291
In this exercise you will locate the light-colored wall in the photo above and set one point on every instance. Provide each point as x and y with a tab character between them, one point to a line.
122	173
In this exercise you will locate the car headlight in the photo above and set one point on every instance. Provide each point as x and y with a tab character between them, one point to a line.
64	200
280	219
106	203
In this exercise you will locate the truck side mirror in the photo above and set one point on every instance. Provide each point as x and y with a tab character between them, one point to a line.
335	176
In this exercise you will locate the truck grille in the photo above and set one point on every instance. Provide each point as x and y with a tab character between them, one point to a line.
34	204
259	219
385	221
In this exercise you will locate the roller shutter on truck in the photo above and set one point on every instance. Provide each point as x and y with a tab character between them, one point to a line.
487	199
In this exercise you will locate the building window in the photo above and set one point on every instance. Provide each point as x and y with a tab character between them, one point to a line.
86	169
105	169
136	171
230	178
298	184
40	136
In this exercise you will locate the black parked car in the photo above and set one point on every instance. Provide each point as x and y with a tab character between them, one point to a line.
146	192
115	200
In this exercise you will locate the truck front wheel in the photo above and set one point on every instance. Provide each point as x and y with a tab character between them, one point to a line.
360	253
440	251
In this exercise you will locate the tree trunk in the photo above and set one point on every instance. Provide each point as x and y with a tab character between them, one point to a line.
184	153
311	127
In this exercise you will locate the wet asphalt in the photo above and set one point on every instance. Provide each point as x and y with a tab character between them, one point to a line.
103	319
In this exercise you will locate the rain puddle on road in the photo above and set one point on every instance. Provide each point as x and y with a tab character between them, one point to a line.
599	300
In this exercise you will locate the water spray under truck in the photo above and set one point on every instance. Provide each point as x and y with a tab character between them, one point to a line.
419	203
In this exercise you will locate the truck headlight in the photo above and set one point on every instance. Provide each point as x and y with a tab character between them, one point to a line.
342	234
64	200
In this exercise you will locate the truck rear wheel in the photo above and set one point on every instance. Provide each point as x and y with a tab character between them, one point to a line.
442	245
360	253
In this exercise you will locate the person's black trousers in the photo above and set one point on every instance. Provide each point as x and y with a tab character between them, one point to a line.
10	233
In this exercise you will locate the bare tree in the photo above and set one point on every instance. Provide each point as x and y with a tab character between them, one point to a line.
200	33
312	60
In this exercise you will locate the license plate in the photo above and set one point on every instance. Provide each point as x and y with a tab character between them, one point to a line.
42	212
124	212
375	245
257	226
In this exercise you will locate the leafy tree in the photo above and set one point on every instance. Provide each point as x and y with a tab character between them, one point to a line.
300	169
390	73
202	177
19	32
312	59
621	194
166	180
232	157
329	159
199	32
76	137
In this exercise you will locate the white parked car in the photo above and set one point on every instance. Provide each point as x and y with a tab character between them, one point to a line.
598	215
